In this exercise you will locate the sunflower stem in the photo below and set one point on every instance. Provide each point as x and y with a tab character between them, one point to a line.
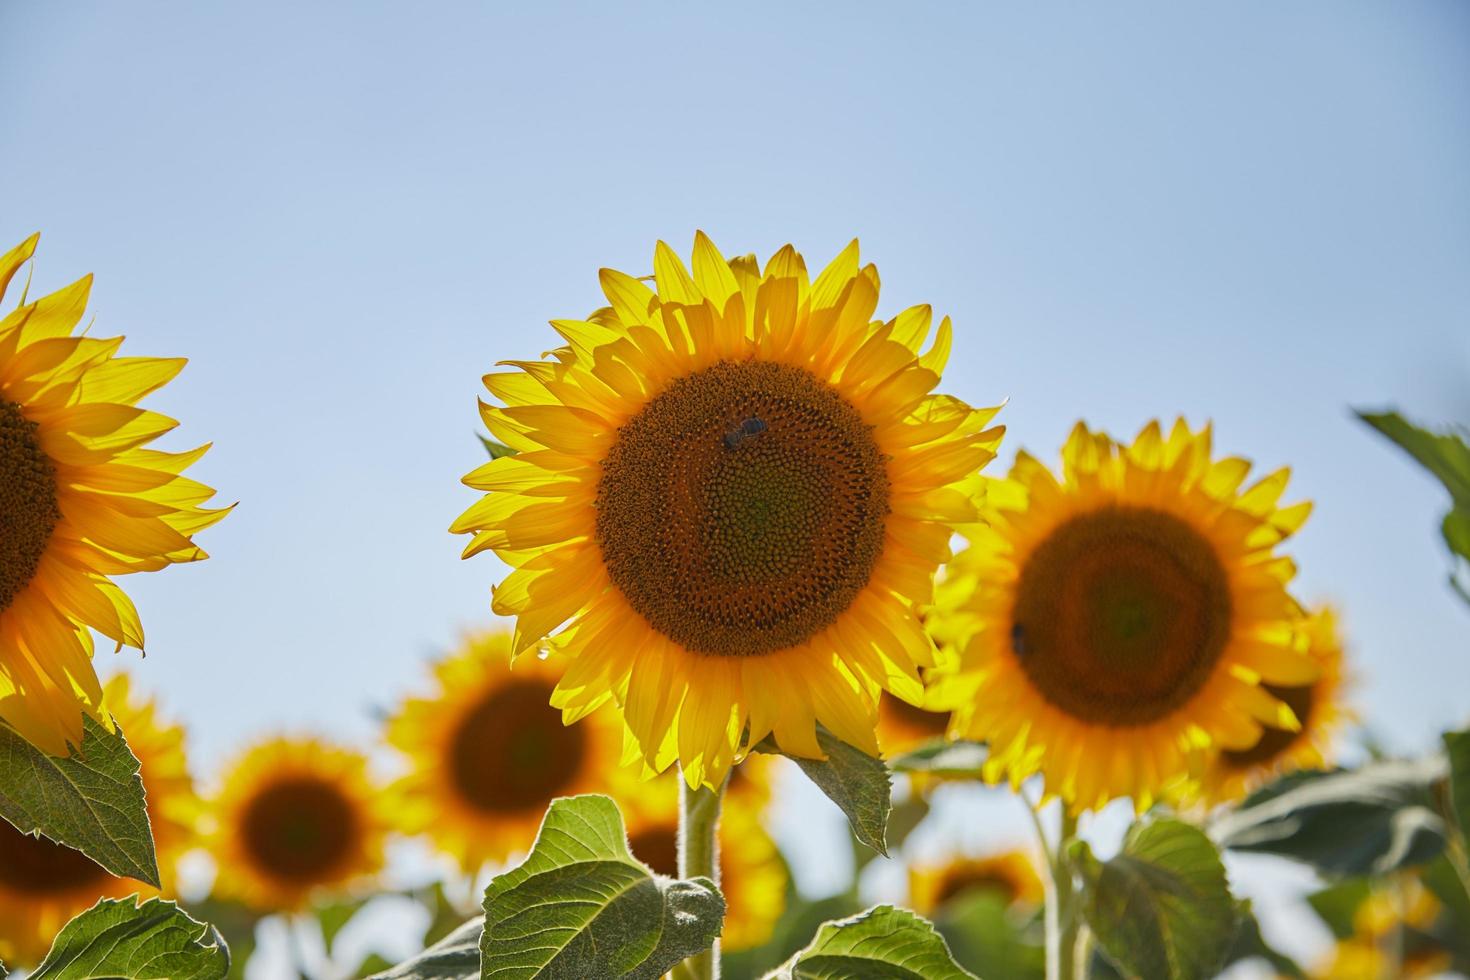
699	857
1061	905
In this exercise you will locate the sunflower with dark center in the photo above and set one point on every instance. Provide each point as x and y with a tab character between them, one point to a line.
1010	875
1321	708
81	500
487	753
729	494
43	884
753	875
1128	617
295	818
903	726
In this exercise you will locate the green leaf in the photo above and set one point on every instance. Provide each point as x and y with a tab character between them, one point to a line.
236	922
91	801
857	782
793	931
1457	749
952	760
117	939
455	957
1162	907
985	939
1338	903
883	943
495	449
1365	821
582	906
374	963
444	917
1249	944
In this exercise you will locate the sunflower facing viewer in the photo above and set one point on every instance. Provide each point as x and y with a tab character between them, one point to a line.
731	490
293	817
43	884
488	753
81	500
1128	614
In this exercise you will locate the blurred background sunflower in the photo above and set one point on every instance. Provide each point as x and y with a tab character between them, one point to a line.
1010	875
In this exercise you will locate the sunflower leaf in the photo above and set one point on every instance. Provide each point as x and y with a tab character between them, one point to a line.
455	957
1366	821
91	801
1249	944
941	757
495	449
857	782
119	939
883	943
581	905
1162	906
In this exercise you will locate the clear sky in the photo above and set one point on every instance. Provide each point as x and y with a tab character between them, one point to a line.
344	214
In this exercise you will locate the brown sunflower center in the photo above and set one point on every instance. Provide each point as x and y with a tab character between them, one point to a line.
958	881
41	867
916	719
512	752
28	510
1121	615
1274	741
742	510
300	829
657	847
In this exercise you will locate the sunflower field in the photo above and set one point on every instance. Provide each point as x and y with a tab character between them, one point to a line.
799	650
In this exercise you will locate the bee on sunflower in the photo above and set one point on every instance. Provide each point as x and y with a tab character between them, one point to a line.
43	884
1009	874
729	493
293	818
1130	615
81	500
487	753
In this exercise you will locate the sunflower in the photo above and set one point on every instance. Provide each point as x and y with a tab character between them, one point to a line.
488	753
43	884
1009	874
733	489
1387	921
903	726
80	500
1232	773
753	877
295	816
1129	615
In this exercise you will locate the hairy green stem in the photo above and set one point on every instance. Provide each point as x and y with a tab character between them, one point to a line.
1061	902
699	857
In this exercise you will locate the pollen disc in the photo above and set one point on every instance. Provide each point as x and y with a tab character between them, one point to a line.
35	864
299	829
512	752
742	510
658	847
1274	741
28	511
1121	615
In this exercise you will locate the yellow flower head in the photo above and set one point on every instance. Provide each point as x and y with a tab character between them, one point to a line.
1009	874
81	500
294	817
1127	614
732	488
488	753
1382	922
903	726
43	885
753	876
1319	707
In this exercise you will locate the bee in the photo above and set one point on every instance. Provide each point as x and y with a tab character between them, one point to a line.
748	429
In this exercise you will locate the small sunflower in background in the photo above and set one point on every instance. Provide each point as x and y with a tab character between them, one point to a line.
729	492
1390	926
43	884
1320	707
753	875
487	753
294	817
81	500
1131	612
1010	874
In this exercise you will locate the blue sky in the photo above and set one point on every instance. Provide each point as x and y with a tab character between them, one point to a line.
344	214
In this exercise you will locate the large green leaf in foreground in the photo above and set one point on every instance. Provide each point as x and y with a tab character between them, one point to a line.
1366	821
857	782
92	801
883	943
117	939
1162	907
582	906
